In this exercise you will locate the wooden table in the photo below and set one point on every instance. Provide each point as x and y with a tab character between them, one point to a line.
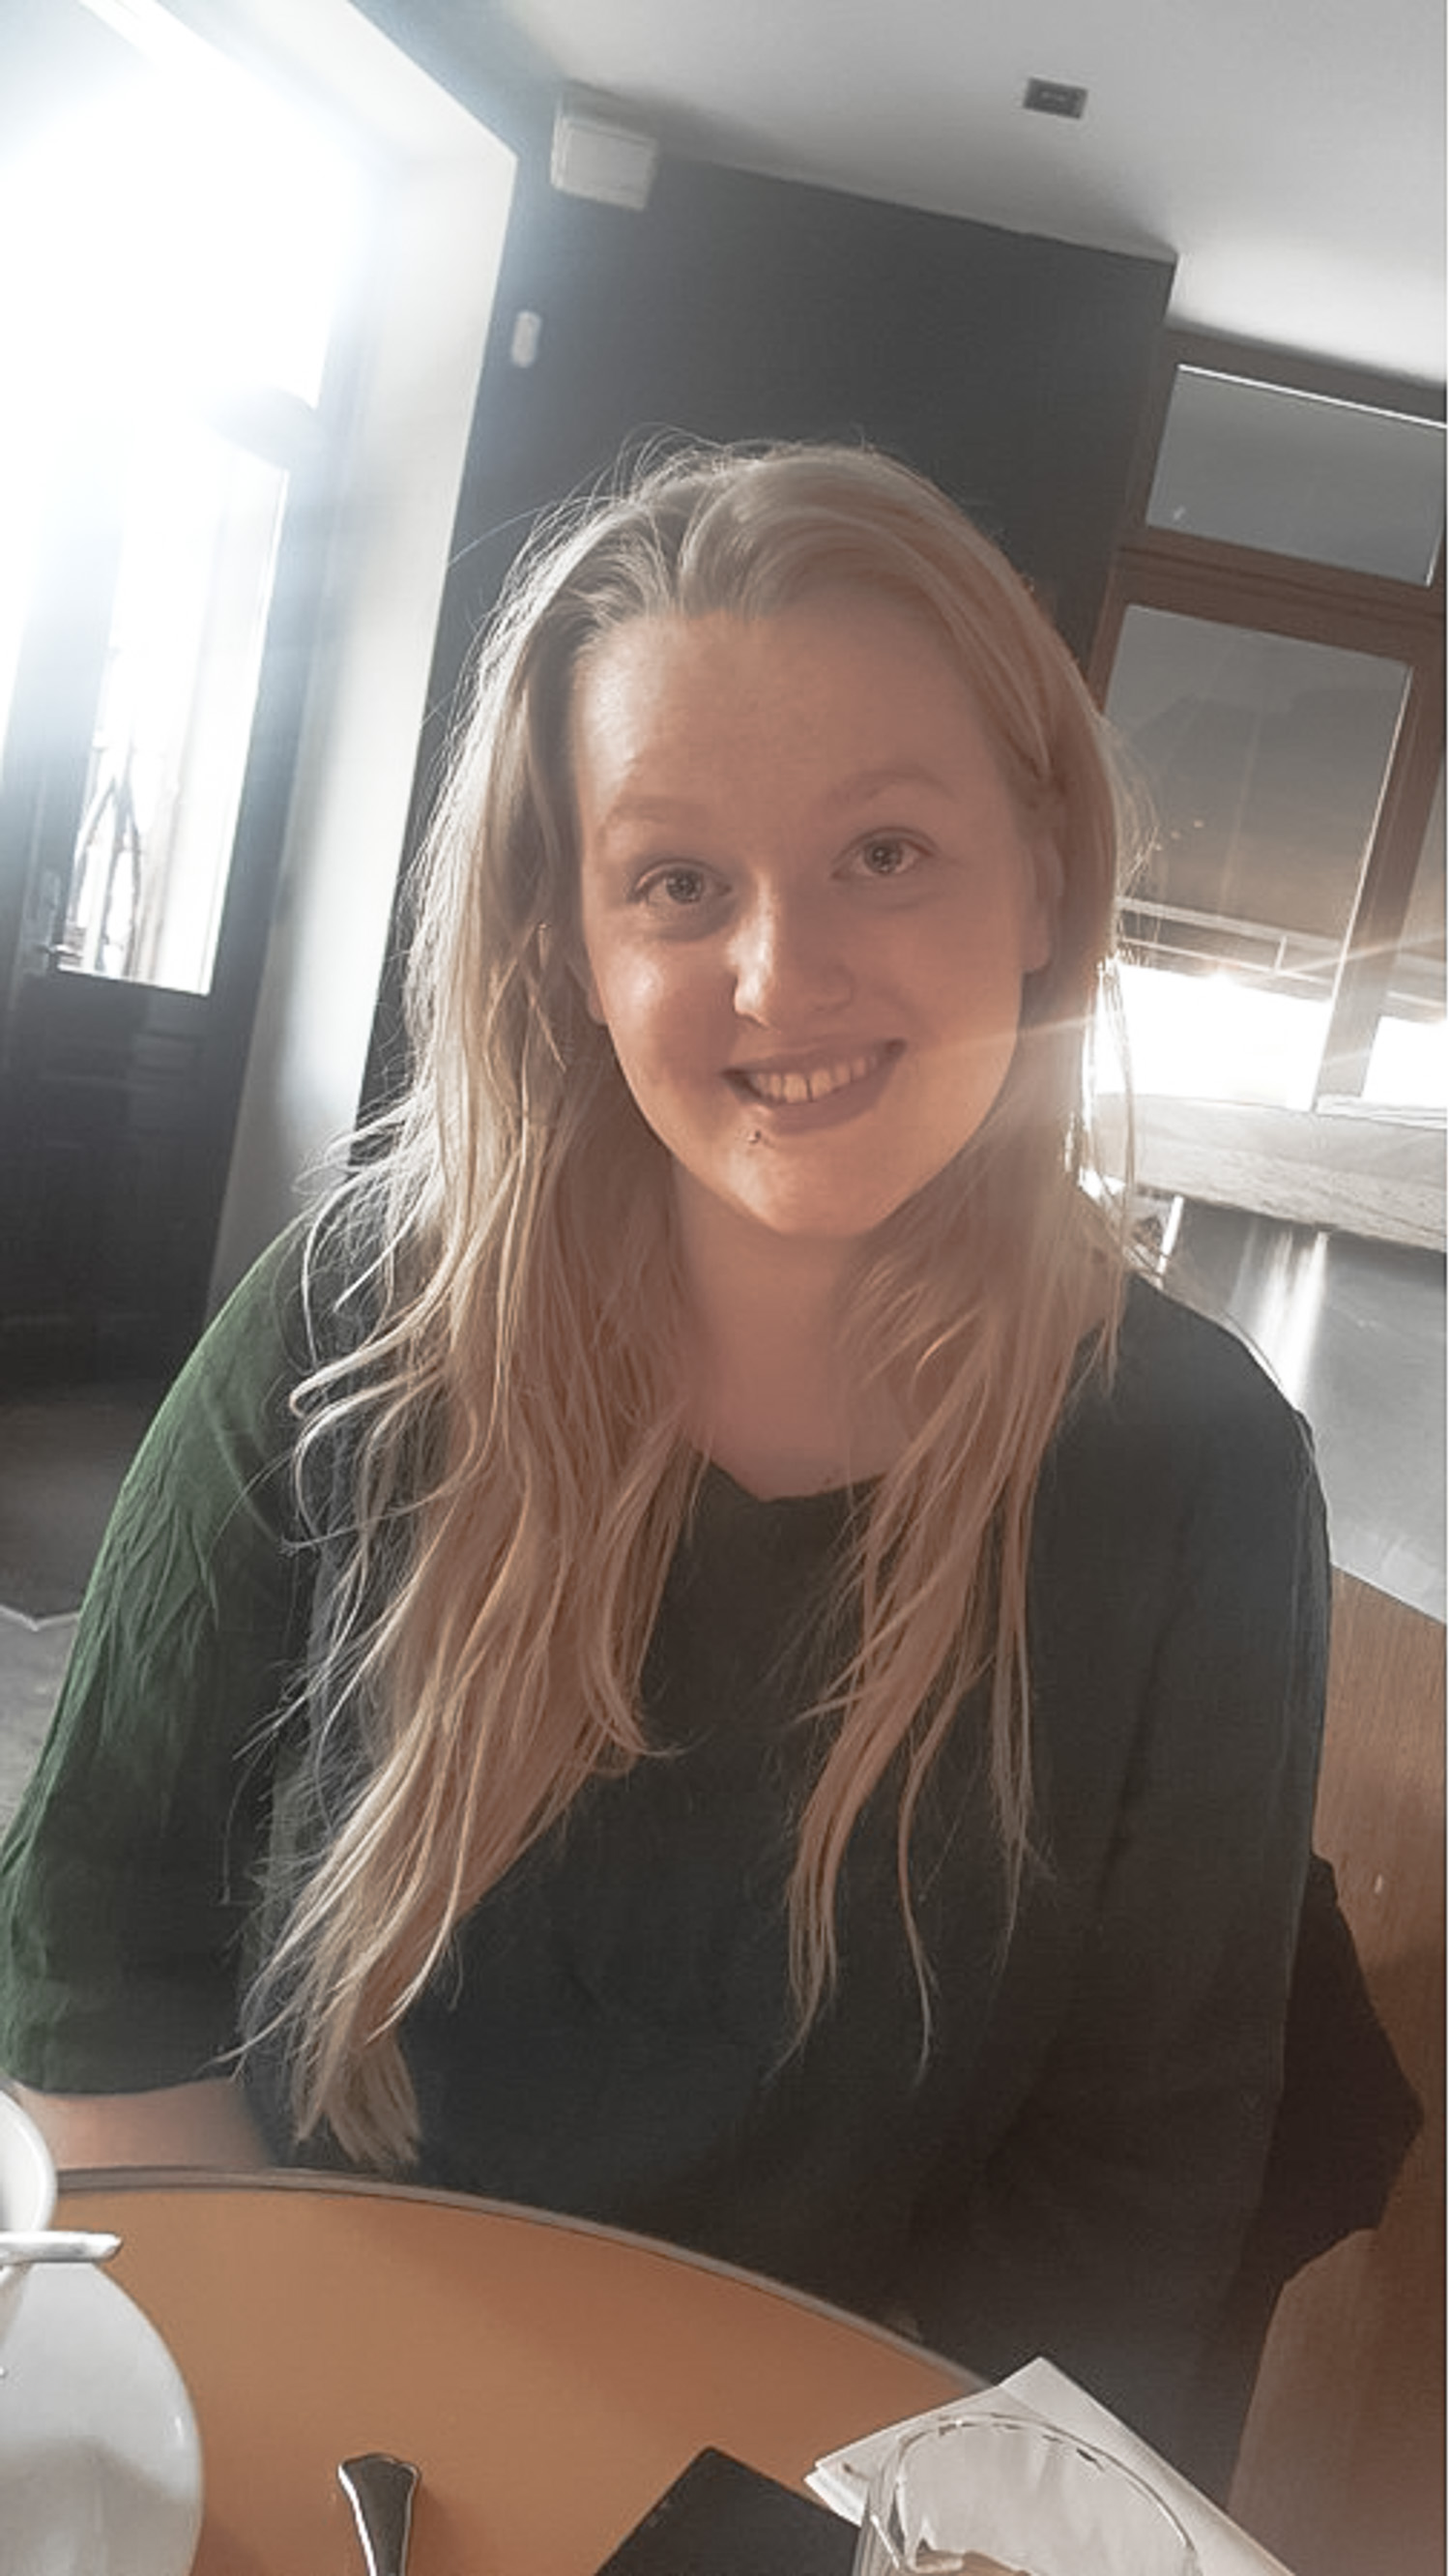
547	2377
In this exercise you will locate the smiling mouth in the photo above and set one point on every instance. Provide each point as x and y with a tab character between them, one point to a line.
794	1086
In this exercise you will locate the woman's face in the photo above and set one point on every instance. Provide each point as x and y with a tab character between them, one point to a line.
807	905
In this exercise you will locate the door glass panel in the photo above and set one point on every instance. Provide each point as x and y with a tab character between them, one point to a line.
1407	1067
17	545
1263	758
1261	465
183	237
175	715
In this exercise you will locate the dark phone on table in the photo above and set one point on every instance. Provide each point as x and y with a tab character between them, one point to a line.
721	2518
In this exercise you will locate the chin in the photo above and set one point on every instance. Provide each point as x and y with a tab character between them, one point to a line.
831	1224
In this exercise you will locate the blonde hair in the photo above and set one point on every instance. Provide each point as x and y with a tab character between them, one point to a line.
519	1473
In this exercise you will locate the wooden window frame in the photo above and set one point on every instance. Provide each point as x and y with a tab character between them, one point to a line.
1404	621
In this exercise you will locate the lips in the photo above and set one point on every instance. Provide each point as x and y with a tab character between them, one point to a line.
798	1086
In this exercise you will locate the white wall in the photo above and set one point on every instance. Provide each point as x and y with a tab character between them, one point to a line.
444	186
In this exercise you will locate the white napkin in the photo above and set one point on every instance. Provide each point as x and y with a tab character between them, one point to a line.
1041	2389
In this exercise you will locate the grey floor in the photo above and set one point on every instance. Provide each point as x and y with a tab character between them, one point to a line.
63	1454
1354	1332
32	1659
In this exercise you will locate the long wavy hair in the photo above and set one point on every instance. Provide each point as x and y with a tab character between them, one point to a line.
519	1471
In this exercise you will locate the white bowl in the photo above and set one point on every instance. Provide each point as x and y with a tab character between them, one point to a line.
100	2462
27	2192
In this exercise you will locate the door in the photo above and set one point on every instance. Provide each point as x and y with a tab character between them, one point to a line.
163	483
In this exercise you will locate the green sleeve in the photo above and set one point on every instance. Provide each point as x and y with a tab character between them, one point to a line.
128	1874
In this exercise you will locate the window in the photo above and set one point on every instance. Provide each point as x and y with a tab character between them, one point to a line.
1301	474
1271	659
1407	1060
200	522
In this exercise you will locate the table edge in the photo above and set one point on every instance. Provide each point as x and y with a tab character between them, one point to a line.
121	2179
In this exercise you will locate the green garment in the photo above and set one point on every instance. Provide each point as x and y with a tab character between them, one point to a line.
1073	2167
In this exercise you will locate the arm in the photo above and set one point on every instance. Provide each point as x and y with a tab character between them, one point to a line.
1139	2039
203	2124
128	1878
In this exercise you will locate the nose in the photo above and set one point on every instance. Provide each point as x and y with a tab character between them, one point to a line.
790	959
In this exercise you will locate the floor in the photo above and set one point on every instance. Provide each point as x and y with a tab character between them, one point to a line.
1354	1332
62	1460
32	1659
63	1453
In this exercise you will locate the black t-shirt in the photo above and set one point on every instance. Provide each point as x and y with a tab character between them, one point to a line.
1069	2162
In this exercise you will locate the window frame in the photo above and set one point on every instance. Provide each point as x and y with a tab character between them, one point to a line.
1211	579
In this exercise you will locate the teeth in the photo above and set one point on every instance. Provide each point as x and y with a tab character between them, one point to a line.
794	1088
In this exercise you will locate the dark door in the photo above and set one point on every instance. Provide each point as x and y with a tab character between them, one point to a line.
141	819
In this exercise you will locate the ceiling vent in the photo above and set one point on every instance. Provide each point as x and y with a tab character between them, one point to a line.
1054	98
598	153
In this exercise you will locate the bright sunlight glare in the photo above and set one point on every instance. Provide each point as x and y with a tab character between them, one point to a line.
174	240
1208	1037
1408	1065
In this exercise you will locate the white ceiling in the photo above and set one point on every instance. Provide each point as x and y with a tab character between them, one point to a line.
1289	153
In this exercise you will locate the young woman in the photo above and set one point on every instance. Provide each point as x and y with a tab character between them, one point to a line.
693	1650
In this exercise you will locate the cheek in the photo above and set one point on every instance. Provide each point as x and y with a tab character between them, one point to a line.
655	1015
971	982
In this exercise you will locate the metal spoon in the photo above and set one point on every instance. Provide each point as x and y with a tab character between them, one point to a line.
25	2245
380	2491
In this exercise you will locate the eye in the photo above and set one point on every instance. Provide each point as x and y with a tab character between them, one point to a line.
887	856
680	887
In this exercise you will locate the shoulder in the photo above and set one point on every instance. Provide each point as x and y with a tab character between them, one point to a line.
1183	1388
1180	1571
308	1299
1169	1352
222	1446
1181	1456
242	1370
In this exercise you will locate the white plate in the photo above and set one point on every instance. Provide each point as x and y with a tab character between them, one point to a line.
100	2464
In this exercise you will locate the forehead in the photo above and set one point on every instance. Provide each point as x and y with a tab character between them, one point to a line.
840	673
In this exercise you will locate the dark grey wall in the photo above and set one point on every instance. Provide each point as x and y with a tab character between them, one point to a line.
1012	369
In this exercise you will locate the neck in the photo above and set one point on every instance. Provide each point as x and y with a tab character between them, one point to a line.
768	1402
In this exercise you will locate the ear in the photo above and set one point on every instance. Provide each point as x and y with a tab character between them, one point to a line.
1041	903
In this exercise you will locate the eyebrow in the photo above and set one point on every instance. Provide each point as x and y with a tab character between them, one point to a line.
647	809
858	789
866	783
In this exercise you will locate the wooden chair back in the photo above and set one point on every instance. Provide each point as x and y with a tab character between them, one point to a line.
1342	2464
